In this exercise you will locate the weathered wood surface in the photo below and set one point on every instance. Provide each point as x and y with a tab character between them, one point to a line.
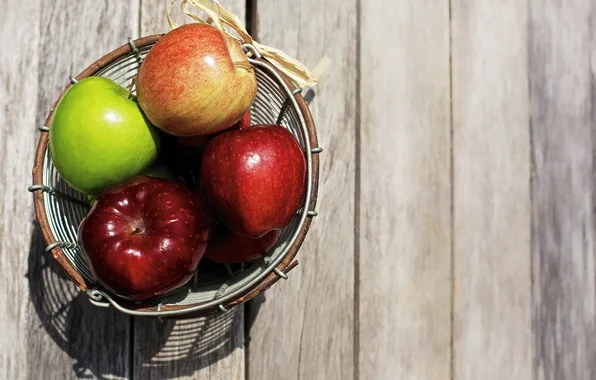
18	77
404	219
456	228
491	191
305	327
562	47
198	348
154	18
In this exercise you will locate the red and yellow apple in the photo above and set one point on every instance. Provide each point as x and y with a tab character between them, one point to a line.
195	81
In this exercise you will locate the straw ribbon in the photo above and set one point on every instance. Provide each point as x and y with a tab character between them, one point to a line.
220	18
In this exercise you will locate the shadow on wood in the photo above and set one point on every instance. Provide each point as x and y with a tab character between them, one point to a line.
309	95
97	340
252	310
183	347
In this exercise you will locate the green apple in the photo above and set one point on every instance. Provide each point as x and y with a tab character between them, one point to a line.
99	137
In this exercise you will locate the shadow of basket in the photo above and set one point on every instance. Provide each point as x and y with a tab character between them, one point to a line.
182	347
99	340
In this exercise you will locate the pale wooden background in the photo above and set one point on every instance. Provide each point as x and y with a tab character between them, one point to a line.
456	230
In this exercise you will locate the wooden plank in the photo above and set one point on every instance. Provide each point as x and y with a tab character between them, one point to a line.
154	19
197	348
304	330
491	191
405	218
54	330
561	60
18	75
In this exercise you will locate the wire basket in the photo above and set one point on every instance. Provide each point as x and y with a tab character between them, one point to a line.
60	209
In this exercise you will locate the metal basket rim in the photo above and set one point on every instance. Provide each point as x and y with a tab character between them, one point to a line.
274	273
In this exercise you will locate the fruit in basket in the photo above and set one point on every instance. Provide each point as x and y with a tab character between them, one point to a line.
225	247
254	179
99	137
144	238
195	81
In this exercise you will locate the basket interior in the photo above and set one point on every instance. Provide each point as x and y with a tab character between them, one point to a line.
66	207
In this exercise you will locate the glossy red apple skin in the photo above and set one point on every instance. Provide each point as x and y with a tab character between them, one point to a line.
254	179
144	238
195	81
225	247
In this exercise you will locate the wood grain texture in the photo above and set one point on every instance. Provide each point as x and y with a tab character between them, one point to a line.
197	348
154	19
67	337
405	191
304	329
562	71
18	86
491	191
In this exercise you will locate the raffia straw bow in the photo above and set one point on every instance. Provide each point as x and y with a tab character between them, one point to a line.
219	17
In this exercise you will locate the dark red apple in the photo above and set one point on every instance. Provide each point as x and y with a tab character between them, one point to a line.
225	247
144	238
254	178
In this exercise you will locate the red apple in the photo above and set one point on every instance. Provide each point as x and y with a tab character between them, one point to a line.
254	179
225	247
195	81
144	238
